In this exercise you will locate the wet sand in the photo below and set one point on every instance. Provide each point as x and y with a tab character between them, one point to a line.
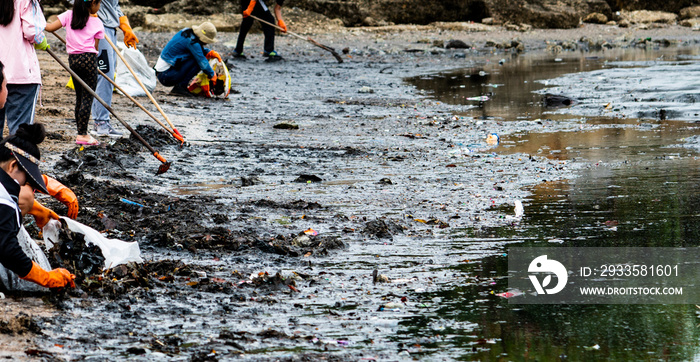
396	186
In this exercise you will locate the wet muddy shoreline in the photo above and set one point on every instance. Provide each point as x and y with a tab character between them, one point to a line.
385	175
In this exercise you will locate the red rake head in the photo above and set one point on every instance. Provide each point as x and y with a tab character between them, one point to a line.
164	167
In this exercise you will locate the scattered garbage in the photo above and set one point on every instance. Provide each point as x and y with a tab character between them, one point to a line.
519	209
379	278
129	202
493	139
114	251
311	232
365	89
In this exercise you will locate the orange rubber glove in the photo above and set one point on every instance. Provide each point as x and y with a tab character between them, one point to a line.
213	79
57	278
63	194
213	54
130	38
42	214
249	10
282	25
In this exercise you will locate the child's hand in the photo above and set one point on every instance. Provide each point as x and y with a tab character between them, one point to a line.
44	45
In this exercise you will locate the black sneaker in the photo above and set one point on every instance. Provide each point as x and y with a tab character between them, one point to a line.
179	90
270	54
238	56
274	58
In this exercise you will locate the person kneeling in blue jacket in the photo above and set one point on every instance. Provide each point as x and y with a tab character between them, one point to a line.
185	56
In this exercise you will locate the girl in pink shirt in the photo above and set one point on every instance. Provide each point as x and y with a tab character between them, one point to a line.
21	30
83	32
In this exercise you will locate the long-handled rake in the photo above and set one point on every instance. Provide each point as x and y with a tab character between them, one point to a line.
314	42
177	137
165	165
145	90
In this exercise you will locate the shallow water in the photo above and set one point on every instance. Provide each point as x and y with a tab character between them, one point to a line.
515	84
447	201
640	175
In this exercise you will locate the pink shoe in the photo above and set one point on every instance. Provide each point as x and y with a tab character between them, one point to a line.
90	142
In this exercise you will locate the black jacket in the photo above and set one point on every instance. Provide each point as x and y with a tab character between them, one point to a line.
11	254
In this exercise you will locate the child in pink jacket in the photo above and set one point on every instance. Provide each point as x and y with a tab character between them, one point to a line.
21	30
83	32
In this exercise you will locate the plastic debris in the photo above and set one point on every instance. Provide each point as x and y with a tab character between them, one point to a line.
129	202
519	209
478	99
509	294
493	139
311	232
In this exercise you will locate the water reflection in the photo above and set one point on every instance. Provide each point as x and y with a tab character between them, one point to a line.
644	140
511	84
649	204
645	192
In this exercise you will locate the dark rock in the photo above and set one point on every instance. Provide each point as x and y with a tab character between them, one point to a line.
690	12
286	125
220	218
546	13
250	181
308	178
456	44
135	350
595	18
672	6
556	101
382	229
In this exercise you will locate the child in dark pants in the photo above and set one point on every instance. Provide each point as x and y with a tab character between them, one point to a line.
259	9
83	32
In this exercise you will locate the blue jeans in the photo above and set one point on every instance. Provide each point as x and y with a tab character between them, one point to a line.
20	106
179	74
104	88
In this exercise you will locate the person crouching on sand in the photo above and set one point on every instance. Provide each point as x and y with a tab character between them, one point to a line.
185	56
19	165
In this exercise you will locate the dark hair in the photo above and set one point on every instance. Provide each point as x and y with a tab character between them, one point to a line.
2	72
81	13
7	11
27	137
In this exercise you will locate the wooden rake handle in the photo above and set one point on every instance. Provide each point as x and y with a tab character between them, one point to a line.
142	86
314	42
129	96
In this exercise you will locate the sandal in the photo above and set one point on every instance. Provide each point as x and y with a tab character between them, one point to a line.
90	142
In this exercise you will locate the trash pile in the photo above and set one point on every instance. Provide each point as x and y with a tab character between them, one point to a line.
72	252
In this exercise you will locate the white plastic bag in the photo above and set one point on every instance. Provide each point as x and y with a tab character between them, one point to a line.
10	280
115	251
138	63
